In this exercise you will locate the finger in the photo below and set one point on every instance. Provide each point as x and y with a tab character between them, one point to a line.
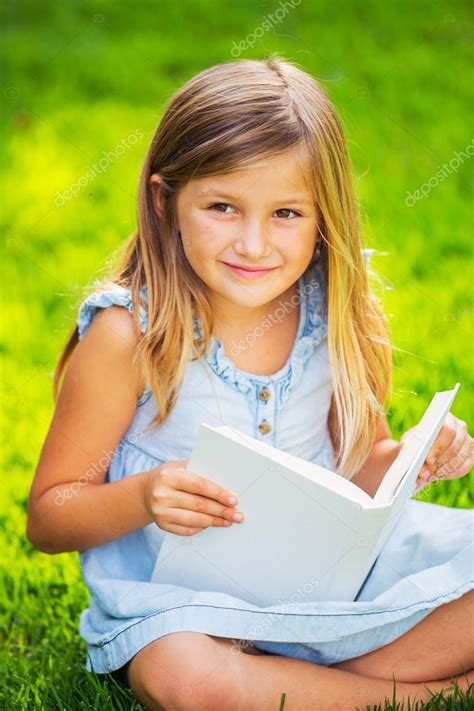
201	504
460	463
456	444
419	485
196	484
423	476
183	530
445	437
191	519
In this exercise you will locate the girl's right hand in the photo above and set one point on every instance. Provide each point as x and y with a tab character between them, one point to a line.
185	503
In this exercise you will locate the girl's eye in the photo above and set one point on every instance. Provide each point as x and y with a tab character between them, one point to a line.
216	207
219	204
287	209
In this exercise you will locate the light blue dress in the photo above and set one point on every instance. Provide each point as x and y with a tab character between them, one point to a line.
427	561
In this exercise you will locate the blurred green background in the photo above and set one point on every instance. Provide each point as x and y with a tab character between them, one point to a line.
80	79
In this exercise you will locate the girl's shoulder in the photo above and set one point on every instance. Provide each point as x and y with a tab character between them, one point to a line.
108	295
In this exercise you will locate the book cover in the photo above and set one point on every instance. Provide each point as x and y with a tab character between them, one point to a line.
307	530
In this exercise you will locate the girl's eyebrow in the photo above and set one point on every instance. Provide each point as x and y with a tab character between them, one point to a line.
218	193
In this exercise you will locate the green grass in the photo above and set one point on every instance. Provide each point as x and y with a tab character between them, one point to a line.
81	76
451	699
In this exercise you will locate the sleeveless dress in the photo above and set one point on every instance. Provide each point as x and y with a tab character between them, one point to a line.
426	562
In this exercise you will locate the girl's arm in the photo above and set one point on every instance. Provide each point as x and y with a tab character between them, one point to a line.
382	454
68	508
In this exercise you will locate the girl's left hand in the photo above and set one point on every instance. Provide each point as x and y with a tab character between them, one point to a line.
451	455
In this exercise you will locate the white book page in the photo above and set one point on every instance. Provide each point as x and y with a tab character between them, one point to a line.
282	544
416	447
320	475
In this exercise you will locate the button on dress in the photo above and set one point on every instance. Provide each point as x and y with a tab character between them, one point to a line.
426	562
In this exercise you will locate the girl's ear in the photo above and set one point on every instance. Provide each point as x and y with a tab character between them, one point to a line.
156	182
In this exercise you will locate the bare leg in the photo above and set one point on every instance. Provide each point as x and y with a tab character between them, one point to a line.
310	687
440	645
193	671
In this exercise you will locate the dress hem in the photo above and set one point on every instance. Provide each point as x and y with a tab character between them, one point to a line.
113	653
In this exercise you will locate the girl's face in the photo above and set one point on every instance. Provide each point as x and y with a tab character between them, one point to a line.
261	217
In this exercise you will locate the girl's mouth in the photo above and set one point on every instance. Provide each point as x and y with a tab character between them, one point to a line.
247	273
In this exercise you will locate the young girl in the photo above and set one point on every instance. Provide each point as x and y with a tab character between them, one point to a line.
243	299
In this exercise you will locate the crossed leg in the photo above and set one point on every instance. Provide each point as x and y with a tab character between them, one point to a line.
439	646
191	670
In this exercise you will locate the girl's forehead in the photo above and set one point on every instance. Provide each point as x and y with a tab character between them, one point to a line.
283	172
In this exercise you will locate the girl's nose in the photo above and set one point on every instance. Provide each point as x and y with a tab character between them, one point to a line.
253	241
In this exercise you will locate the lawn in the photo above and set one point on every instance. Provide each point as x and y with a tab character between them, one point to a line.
78	79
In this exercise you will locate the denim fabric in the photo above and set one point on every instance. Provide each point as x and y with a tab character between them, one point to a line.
426	562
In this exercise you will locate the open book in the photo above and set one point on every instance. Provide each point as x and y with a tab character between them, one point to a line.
307	531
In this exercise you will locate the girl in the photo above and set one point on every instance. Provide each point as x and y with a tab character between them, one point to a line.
243	299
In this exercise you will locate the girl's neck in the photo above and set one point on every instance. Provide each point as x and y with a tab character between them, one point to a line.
262	346
237	321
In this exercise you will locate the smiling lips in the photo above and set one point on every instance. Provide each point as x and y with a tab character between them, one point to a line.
248	272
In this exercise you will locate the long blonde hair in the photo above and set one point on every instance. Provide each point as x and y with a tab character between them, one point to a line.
225	118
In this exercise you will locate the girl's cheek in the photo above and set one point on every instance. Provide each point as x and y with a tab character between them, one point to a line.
211	239
197	234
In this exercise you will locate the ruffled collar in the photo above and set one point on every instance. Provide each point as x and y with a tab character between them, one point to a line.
312	328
